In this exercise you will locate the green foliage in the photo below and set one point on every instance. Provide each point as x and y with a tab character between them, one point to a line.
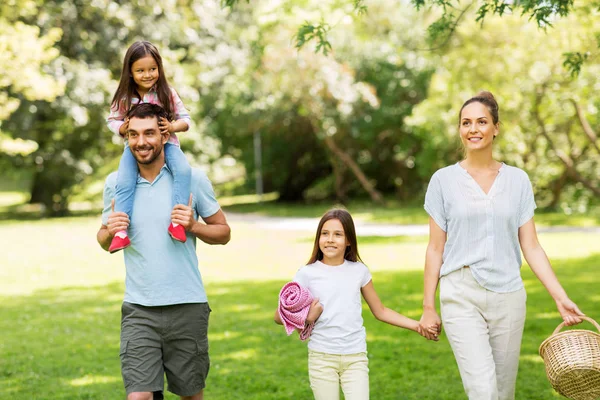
308	32
498	7
360	7
540	128
231	3
574	61
234	66
543	12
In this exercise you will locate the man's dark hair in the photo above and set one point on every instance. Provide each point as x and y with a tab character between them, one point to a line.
147	110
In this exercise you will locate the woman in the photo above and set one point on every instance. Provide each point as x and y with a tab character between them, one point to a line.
481	211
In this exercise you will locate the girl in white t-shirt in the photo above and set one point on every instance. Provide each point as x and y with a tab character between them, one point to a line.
336	277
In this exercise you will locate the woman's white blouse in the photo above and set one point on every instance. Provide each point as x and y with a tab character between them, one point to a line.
482	229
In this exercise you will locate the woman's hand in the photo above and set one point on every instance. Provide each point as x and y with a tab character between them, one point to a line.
430	325
314	312
569	311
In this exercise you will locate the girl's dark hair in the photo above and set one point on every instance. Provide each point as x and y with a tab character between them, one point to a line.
127	89
488	100
351	253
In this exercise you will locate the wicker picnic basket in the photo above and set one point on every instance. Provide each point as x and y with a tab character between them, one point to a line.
572	361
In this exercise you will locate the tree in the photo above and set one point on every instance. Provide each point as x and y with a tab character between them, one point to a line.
340	114
23	72
450	13
57	93
549	120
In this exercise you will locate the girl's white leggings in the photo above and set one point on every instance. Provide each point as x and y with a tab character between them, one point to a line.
328	371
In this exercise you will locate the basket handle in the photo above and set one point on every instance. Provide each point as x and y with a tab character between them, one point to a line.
562	324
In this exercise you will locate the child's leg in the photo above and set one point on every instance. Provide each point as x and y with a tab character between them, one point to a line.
126	182
324	375
182	173
182	177
124	193
355	376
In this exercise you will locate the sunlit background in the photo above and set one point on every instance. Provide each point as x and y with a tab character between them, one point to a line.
362	116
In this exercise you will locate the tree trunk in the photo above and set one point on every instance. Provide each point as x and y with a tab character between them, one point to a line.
567	159
557	188
338	175
585	125
353	166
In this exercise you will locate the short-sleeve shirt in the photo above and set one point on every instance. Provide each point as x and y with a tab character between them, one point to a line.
482	229
159	270
339	329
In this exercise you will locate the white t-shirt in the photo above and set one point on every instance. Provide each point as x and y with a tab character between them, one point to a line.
339	329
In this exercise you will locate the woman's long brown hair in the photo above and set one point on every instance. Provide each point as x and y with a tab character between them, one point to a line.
127	89
351	253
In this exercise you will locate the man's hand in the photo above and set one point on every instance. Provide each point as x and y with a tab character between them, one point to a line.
165	126
117	221
314	312
184	215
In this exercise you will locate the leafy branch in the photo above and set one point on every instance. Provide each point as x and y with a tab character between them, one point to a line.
574	61
542	11
360	7
308	32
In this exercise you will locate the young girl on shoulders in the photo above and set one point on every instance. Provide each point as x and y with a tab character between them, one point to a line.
143	81
336	278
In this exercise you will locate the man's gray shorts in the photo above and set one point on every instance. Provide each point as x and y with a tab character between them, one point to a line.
169	340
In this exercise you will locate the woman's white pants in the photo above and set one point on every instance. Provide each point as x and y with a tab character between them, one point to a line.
484	329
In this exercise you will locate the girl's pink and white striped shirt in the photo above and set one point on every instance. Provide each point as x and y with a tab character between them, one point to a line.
116	118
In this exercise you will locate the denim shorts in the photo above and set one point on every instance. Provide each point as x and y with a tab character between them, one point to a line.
161	340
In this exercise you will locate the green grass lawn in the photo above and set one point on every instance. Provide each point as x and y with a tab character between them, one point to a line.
60	310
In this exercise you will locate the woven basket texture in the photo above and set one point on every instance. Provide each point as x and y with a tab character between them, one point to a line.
572	360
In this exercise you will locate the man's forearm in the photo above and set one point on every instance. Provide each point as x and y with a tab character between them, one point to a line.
104	238
212	233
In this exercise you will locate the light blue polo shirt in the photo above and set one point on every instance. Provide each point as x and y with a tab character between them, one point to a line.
160	270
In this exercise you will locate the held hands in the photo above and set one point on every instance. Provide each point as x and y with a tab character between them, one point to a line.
314	312
569	311
430	325
165	126
117	221
184	215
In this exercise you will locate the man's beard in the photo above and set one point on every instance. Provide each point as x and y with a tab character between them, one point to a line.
155	154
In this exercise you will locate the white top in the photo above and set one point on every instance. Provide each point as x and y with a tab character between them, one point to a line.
339	329
482	229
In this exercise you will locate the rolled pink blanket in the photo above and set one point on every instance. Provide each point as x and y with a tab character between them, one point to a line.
294	303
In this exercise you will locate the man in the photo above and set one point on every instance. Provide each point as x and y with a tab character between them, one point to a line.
164	317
